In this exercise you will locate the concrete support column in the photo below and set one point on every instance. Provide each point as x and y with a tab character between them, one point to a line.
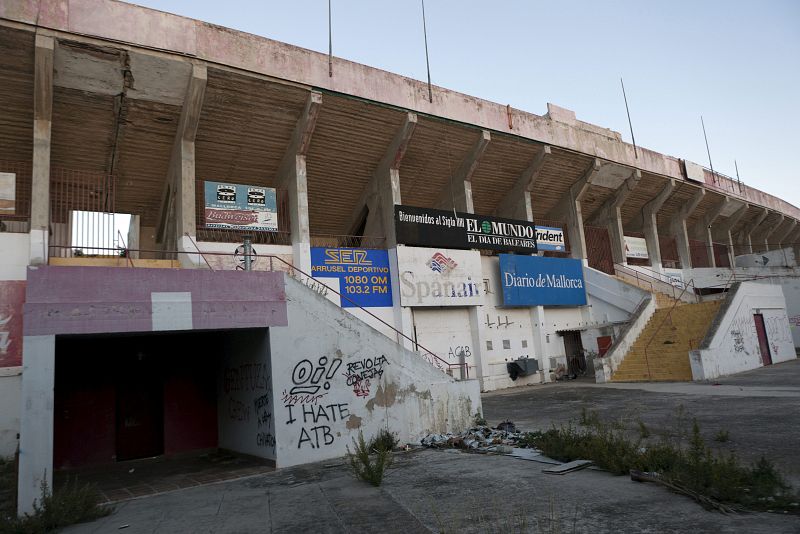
570	207
769	235
610	216
650	225
679	231
40	176
457	195
702	229
540	340
786	231
177	225
134	237
36	420
722	231
749	236
293	177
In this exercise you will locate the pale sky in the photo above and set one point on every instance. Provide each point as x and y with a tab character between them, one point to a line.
736	63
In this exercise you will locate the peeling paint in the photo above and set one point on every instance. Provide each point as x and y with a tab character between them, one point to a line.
353	422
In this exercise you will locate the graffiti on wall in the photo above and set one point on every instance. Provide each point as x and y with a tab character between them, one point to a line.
360	373
311	382
12	297
249	390
315	422
743	333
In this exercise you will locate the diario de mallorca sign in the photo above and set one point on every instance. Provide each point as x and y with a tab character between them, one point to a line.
360	275
438	228
240	207
439	277
540	281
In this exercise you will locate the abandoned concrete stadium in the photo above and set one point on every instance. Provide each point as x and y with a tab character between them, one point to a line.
268	298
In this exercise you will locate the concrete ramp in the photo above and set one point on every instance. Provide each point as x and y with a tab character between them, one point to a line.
333	376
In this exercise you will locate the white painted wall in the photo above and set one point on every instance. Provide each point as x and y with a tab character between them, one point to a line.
326	356
791	292
774	258
224	260
719	276
14	257
732	344
245	403
10	391
610	299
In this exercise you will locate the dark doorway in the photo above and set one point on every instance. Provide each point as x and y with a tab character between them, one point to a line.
140	408
573	348
763	342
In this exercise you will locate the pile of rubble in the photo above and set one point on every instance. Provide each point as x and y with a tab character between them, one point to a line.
502	439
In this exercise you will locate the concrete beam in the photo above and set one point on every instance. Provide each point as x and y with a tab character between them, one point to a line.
721	231
457	194
178	201
648	222
610	216
771	232
702	229
42	123
745	237
382	192
292	176
569	207
517	203
780	236
679	231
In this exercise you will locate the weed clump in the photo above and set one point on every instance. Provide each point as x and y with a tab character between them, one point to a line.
370	463
383	441
67	505
686	463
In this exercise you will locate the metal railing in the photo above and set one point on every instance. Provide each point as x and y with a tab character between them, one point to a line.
661	324
646	278
428	355
276	261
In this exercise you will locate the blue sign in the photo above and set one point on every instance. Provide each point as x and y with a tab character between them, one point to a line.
538	281
240	207
363	275
550	238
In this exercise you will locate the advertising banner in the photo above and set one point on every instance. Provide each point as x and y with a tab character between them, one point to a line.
12	298
550	238
439	277
539	281
439	228
362	275
240	207
636	247
8	182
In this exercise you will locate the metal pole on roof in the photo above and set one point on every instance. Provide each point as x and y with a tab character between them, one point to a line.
330	42
738	180
630	124
713	176
427	60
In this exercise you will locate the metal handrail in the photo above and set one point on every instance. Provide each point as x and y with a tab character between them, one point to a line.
125	248
434	359
200	252
658	329
637	274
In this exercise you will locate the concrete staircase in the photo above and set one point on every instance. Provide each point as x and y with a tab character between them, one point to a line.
672	339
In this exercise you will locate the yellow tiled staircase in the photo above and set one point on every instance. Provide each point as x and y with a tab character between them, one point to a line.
672	339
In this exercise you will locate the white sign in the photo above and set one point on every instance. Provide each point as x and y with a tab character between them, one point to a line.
7	193
636	247
439	277
550	238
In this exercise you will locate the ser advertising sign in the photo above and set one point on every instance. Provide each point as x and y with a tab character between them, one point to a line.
439	277
539	281
240	207
362	275
439	228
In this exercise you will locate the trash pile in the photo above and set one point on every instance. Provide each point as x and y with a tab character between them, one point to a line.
502	439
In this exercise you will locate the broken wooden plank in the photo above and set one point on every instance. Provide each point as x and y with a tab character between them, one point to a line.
575	465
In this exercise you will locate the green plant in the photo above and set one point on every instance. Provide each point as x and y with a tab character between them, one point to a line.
384	441
479	420
69	504
722	436
644	432
368	464
680	458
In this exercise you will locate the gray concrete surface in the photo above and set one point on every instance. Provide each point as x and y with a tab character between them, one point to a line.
453	491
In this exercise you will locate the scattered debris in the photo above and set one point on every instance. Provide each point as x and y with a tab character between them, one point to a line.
507	426
569	467
479	438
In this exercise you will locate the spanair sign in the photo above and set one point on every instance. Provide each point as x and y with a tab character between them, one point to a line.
439	228
439	277
539	281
